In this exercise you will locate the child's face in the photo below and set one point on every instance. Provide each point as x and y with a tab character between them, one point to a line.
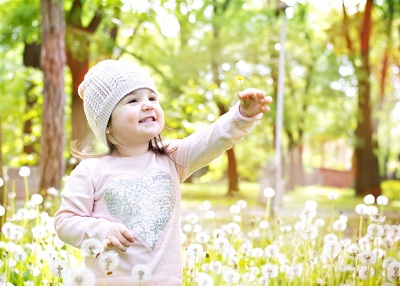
136	119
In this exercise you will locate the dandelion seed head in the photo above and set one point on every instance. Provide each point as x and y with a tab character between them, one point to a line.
367	257
24	171
330	237
393	271
331	249
109	260
246	248
339	225
221	243
192	218
263	224
203	279
375	230
195	250
2	210
365	272
307	214
141	273
205	206
38	232
232	228
58	267
187	227
272	251
234	209
209	214
269	192
269	270
52	192
382	200
36	199
197	228
369	199
257	252
387	261
218	233
216	267
20	256
344	218
333	196
310	232
364	242
297	269
231	276
372	210
319	222
310	205
242	204
237	218
1	184
361	209
377	218
11	195
91	247
202	237
79	277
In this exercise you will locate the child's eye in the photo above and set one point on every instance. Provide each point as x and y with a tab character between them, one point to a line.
153	98
132	100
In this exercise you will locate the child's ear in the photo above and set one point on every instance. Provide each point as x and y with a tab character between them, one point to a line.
108	131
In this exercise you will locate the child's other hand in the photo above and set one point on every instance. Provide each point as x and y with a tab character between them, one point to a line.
119	237
253	101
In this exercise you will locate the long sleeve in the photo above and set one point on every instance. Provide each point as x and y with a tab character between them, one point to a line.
75	221
202	147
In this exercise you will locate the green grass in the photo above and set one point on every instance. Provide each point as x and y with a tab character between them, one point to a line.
193	194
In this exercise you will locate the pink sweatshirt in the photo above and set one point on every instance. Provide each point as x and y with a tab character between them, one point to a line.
143	193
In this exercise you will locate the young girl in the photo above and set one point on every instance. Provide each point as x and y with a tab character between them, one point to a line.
130	197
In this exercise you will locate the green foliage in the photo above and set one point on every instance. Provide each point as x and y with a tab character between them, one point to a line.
195	69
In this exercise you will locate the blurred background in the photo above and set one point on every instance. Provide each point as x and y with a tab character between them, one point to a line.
332	67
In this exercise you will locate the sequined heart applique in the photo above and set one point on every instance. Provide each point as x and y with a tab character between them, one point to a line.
144	205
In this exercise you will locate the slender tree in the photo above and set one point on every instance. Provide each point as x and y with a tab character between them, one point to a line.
51	160
367	179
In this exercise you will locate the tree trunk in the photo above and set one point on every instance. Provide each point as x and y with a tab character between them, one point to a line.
1	174
233	185
51	161
80	128
219	9
31	58
367	170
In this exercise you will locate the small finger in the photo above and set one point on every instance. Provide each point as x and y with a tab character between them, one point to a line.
107	243
117	244
128	235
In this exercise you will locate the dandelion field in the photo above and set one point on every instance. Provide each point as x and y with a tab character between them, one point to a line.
308	248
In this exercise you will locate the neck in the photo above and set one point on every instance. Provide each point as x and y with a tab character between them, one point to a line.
131	151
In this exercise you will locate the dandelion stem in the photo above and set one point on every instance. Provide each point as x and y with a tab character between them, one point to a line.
3	218
267	208
26	191
360	227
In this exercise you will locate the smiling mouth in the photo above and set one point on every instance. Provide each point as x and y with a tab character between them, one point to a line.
147	119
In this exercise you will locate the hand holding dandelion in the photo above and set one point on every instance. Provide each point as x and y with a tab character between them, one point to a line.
119	237
253	101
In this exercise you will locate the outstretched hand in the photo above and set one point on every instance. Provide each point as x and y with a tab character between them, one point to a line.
253	101
119	237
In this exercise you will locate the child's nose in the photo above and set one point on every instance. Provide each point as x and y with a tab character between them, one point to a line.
147	105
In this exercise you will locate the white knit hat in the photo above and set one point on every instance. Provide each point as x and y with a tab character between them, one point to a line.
104	86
